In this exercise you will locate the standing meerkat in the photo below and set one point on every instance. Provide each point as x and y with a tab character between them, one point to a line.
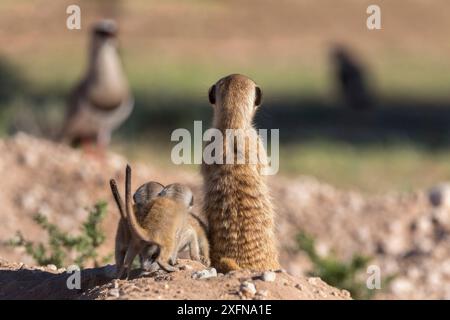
102	101
237	202
124	238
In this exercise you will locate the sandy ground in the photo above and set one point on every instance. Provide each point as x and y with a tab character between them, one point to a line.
404	234
18	281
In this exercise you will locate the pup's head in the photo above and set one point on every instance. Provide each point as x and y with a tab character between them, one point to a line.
148	257
179	192
145	194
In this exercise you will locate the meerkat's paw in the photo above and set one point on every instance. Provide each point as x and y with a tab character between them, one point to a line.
167	267
205	261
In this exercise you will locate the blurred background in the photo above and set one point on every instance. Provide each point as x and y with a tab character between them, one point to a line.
394	136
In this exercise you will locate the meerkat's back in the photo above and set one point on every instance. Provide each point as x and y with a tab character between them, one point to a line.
165	218
237	201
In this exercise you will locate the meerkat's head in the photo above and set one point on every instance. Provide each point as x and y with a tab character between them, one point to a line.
235	99
146	193
148	257
179	192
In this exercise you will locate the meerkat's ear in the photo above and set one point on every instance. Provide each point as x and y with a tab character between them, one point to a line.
212	94
258	96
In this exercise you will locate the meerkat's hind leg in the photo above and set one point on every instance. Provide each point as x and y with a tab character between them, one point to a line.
119	257
194	249
132	251
188	239
204	251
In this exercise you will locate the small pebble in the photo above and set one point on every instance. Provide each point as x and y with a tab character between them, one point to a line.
205	274
248	289
269	276
314	281
281	271
52	267
186	267
345	293
262	293
114	293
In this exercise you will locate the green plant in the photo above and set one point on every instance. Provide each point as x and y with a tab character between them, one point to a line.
61	244
341	274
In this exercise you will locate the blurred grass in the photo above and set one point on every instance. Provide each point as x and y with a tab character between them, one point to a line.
373	168
169	96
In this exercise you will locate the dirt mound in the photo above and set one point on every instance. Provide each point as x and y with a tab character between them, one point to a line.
402	232
18	281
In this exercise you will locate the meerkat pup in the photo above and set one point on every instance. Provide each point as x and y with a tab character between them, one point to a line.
237	202
161	228
142	198
193	235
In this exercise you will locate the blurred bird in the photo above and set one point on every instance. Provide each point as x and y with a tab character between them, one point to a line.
102	101
351	80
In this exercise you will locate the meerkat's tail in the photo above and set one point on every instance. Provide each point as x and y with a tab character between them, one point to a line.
117	198
133	224
226	265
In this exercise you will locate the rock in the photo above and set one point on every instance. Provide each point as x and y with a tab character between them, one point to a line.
248	289
346	293
114	293
401	286
52	267
269	276
314	281
186	267
281	271
261	294
205	274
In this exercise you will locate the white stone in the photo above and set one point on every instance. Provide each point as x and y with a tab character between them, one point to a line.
248	289
269	276
52	267
114	293
205	274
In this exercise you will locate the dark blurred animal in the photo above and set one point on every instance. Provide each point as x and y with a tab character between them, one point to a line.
351	80
102	101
